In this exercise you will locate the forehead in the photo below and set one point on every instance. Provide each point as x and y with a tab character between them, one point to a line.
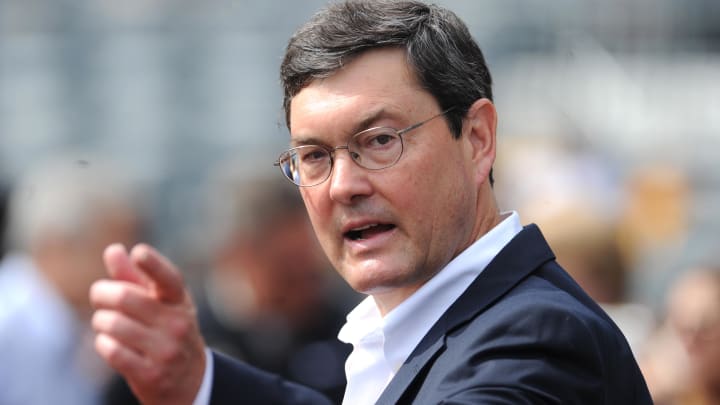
377	80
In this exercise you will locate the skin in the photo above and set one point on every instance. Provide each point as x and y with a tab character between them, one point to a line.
694	305
437	196
146	326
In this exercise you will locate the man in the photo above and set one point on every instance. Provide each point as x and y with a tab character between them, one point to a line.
393	134
61	217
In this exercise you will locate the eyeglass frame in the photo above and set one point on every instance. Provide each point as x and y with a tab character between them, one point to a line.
331	150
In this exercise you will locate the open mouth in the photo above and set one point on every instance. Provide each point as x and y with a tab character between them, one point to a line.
368	231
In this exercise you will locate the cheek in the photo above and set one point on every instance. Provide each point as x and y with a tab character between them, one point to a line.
430	192
313	206
410	187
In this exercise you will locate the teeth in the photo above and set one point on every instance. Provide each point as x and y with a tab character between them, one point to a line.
363	227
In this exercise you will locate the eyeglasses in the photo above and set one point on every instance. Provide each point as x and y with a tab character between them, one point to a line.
373	149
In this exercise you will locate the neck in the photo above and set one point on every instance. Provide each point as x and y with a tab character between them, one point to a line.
488	215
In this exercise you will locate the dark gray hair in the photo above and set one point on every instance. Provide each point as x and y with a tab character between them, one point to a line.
446	60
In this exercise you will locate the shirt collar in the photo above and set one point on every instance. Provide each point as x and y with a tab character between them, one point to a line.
406	324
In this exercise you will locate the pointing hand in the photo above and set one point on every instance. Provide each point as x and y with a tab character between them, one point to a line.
146	326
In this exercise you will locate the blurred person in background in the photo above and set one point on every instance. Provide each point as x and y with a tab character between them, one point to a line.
585	243
271	297
654	229
61	216
694	315
575	200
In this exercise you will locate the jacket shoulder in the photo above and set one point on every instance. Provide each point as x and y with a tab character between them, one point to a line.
543	341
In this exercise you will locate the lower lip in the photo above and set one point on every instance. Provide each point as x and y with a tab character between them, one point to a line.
374	242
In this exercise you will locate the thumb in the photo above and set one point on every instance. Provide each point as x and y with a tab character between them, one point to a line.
162	274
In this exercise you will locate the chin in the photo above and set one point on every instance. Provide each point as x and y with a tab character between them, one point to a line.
377	282
361	284
363	281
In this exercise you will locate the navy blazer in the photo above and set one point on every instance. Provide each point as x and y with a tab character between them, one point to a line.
522	333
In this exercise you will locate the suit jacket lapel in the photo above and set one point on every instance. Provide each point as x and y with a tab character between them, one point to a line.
520	257
409	370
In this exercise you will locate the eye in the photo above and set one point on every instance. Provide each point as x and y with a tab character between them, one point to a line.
379	138
383	139
312	155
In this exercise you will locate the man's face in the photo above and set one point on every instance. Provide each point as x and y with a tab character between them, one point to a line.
409	220
694	312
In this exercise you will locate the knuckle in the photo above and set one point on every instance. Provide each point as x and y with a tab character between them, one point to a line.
152	376
114	357
168	353
179	327
104	320
122	296
97	321
99	292
112	321
94	293
112	354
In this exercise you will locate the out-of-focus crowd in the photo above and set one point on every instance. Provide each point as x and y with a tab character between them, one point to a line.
266	294
630	238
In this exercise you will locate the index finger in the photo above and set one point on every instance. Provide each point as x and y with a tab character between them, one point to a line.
118	265
165	278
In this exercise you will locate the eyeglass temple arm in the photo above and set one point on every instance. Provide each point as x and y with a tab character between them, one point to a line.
421	123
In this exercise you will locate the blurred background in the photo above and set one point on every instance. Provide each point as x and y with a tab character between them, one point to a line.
609	133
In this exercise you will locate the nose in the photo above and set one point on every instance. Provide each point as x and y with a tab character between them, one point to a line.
348	181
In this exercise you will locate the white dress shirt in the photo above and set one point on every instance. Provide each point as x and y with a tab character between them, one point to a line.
381	345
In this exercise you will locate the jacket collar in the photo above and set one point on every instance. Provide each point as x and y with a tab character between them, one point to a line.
520	257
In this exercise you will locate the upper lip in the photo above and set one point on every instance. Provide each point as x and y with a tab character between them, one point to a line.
360	223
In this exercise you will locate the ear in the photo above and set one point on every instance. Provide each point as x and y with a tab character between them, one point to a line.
479	127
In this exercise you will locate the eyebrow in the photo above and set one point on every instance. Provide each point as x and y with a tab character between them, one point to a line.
364	123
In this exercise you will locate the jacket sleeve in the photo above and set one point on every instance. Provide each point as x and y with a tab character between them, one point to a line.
235	382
